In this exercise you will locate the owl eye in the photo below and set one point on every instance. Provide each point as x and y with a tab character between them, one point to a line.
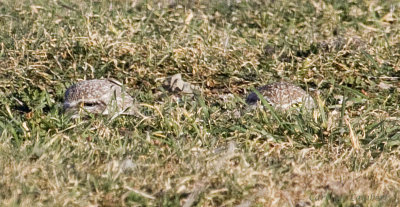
89	104
297	105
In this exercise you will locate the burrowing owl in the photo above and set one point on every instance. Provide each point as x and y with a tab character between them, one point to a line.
283	96
101	96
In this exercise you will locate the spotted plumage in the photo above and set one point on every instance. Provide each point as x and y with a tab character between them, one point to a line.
283	96
100	96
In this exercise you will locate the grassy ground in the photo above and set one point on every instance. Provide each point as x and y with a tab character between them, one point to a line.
197	151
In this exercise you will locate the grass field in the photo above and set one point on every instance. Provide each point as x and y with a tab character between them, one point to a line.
205	150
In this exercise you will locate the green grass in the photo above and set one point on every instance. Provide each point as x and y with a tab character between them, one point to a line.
207	150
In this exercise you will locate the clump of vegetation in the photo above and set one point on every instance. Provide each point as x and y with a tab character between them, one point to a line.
207	149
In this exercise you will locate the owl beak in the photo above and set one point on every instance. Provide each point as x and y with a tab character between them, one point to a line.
71	111
66	106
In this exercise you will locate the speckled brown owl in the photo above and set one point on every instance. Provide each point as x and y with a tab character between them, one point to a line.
100	96
283	96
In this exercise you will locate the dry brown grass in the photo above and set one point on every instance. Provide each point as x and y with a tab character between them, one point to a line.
206	150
